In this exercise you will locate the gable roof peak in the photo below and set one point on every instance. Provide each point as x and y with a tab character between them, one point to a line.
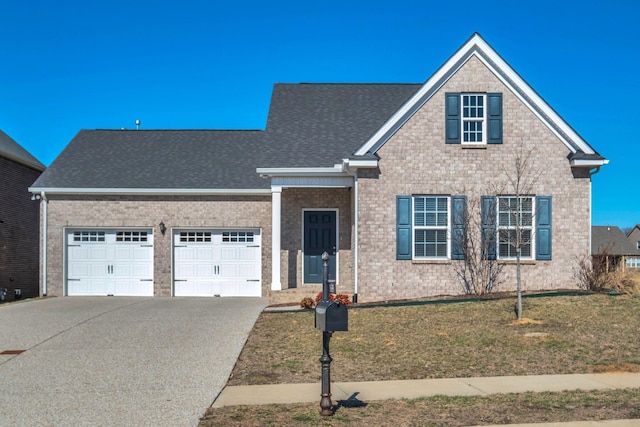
477	47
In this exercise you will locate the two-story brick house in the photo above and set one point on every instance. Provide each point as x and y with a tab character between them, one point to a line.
19	221
373	174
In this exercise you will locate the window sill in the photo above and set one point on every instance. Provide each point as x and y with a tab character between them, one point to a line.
482	146
513	261
430	261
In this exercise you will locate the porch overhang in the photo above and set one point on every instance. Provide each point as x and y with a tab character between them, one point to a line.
335	177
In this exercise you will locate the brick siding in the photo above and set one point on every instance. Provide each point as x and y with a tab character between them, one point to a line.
294	200
416	160
148	212
19	232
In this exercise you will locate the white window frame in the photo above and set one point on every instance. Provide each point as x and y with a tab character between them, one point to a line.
446	228
237	236
531	227
195	236
633	262
481	119
131	236
89	236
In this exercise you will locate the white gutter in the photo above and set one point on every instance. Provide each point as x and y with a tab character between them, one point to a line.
154	191
361	163
589	163
355	228
44	202
269	172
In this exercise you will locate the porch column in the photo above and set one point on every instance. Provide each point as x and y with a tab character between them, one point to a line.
276	208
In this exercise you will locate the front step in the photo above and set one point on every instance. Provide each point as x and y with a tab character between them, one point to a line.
293	296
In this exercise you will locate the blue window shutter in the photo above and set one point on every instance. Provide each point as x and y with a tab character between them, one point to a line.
403	227
458	226
543	228
488	217
452	117
494	118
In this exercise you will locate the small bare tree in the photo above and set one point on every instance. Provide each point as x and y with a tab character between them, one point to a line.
478	272
516	212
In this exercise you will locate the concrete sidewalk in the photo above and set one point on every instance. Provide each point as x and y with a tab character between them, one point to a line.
411	389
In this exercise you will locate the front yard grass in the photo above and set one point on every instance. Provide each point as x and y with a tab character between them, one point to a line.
448	339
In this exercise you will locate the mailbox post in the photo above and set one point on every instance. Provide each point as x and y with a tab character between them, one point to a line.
330	316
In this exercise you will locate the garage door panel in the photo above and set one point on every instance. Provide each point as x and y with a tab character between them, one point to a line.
97	270
99	263
224	264
87	287
198	288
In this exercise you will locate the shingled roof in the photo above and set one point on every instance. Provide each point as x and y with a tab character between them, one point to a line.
158	159
10	149
610	239
318	125
309	125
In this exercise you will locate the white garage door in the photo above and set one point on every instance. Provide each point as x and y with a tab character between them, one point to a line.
110	262
217	263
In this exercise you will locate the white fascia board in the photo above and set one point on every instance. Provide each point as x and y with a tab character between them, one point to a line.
528	91
429	84
152	191
477	47
269	172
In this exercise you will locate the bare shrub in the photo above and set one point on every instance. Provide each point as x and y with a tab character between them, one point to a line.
478	273
625	282
590	273
596	274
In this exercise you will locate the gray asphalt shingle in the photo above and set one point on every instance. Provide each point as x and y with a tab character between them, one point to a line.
610	239
309	125
158	159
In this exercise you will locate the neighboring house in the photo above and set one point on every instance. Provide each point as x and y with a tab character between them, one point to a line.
610	248
19	220
370	173
634	239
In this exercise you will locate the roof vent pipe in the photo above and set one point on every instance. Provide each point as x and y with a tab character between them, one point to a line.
137	124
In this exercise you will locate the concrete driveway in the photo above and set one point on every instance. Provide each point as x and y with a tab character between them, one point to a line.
111	361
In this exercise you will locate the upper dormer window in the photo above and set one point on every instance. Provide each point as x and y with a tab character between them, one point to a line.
473	118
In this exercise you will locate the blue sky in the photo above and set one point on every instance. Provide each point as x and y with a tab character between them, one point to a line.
71	65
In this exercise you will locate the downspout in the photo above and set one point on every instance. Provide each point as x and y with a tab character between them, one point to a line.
44	202
591	173
355	232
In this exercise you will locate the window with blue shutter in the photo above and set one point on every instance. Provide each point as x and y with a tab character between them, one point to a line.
458	226
543	228
452	118
473	118
431	227
494	118
488	218
403	227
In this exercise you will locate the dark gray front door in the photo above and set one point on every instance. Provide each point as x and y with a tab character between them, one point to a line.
319	236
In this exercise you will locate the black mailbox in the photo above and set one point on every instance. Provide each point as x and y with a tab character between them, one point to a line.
331	316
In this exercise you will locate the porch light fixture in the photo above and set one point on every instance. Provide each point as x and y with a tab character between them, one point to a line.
163	228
